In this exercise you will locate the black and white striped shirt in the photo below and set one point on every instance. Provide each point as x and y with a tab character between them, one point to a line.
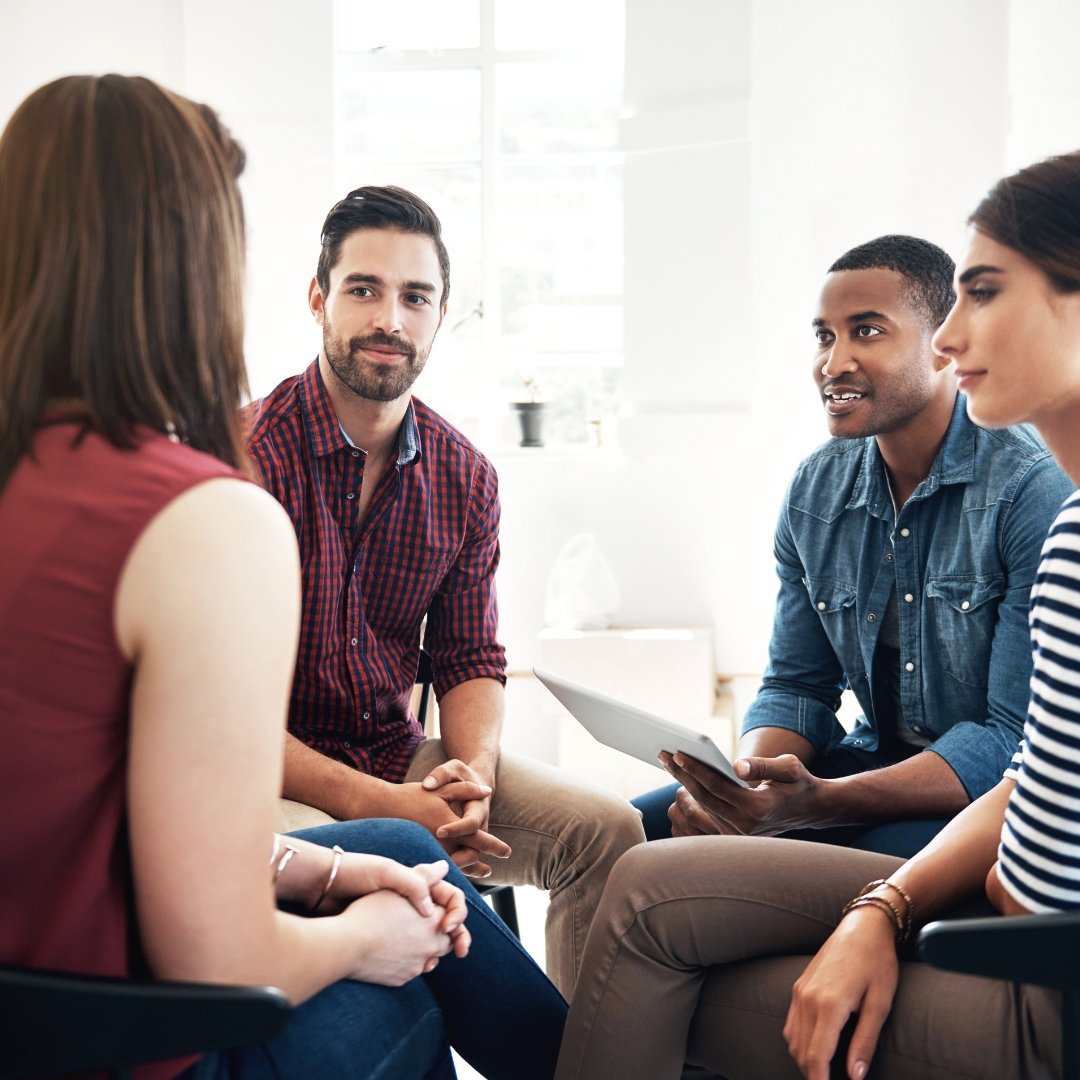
1040	841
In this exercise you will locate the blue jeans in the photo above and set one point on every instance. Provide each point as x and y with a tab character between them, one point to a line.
496	1007
900	838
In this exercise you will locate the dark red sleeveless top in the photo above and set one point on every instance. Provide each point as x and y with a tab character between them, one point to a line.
69	516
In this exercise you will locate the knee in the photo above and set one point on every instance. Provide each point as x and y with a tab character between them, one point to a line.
611	822
404	841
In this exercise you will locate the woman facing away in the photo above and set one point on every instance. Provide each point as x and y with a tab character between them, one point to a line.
149	599
699	942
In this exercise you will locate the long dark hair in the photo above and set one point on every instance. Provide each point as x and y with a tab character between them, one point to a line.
121	266
1036	212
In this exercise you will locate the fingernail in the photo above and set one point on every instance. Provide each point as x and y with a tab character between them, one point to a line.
679	759
452	927
742	768
429	782
426	905
485	789
859	1070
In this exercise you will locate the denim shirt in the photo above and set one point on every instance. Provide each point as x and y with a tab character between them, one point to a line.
962	554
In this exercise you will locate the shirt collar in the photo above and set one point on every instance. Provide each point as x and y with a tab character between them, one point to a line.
324	433
953	464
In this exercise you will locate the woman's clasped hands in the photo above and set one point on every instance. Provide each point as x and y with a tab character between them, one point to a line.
409	917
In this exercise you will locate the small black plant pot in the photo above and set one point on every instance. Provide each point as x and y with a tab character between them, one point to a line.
530	416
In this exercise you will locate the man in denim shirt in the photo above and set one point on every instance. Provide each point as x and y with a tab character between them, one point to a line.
906	549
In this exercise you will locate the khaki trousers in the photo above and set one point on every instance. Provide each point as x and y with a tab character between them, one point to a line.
698	941
565	834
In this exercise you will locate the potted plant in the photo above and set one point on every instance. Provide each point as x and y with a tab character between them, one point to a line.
530	413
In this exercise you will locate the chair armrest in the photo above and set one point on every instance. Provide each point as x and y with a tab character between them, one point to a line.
53	1022
1039	949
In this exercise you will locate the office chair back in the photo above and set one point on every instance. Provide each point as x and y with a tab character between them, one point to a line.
53	1023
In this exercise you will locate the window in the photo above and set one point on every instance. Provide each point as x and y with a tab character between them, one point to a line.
504	117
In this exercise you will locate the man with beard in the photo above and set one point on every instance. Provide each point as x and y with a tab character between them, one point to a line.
906	550
397	517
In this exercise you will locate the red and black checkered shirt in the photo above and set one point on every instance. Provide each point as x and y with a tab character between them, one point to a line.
428	546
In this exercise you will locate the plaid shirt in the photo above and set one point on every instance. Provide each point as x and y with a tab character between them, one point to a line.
428	546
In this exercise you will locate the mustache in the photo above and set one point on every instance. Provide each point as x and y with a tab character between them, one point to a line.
403	345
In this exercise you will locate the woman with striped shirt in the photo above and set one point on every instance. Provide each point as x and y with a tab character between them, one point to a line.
735	955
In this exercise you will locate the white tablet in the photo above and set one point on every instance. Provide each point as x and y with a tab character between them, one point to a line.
634	731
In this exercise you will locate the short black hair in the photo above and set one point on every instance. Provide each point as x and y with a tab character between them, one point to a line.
927	270
371	207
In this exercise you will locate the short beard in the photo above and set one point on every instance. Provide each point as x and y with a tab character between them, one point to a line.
366	379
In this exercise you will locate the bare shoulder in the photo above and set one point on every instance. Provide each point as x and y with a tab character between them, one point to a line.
222	542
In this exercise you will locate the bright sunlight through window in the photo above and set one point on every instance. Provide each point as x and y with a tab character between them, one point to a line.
503	116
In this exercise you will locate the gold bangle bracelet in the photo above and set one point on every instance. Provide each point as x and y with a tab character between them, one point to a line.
288	852
334	867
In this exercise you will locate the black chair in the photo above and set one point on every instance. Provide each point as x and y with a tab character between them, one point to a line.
501	897
52	1023
1038	949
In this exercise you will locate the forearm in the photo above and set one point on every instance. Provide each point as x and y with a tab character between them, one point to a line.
953	867
470	723
921	786
332	786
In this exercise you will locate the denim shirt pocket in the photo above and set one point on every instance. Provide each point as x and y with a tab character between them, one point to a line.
961	615
834	602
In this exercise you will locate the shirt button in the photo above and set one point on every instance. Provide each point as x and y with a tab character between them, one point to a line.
356	453
965	605
889	558
909	666
821	605
908	597
905	532
355	641
347	745
367	716
350	495
871	617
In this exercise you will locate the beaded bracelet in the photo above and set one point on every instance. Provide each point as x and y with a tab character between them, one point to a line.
901	923
334	867
883	883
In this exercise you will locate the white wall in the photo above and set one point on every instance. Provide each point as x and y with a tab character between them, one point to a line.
764	138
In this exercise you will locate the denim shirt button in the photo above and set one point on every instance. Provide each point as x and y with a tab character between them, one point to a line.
909	666
908	597
889	557
821	605
871	617
965	605
905	532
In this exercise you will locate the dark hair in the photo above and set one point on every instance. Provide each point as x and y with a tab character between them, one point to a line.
121	266
927	270
379	208
1036	212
